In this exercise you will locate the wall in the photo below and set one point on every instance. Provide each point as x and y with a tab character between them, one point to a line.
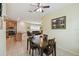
21	26
3	33
67	39
2	40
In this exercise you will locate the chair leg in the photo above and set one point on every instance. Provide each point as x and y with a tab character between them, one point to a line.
52	53
38	51
32	52
55	49
27	44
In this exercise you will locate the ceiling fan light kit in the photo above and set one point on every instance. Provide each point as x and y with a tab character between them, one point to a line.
39	10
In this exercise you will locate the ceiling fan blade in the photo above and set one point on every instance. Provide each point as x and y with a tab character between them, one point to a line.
32	10
45	6
36	9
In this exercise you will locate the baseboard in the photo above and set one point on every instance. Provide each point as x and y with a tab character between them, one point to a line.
69	51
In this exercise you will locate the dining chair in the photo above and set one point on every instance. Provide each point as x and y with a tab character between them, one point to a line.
50	48
33	47
29	34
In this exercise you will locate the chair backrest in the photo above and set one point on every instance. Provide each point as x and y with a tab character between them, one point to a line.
36	32
49	48
51	41
29	33
45	37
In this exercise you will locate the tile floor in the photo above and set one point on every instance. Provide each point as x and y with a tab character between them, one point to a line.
20	49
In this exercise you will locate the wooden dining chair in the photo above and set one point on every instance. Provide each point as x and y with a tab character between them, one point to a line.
50	48
33	47
29	34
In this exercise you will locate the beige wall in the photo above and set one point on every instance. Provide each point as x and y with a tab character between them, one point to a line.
68	38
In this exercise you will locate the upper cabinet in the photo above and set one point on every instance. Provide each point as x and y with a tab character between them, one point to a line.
11	28
10	23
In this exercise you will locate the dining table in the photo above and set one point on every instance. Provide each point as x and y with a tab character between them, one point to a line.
43	44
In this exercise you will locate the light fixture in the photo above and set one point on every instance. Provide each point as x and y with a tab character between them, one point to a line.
39	10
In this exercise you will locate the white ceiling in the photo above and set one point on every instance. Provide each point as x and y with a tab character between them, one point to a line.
19	11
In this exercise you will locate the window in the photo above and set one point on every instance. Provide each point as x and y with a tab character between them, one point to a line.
35	27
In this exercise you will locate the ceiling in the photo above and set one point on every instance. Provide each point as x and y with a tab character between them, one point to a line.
19	11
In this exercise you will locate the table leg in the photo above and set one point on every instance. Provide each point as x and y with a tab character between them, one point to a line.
41	52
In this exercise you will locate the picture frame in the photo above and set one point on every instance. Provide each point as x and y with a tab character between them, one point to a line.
59	23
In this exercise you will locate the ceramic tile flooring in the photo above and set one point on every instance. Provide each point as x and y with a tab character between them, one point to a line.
20	49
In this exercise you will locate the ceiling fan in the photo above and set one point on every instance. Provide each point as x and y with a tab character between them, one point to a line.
39	8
